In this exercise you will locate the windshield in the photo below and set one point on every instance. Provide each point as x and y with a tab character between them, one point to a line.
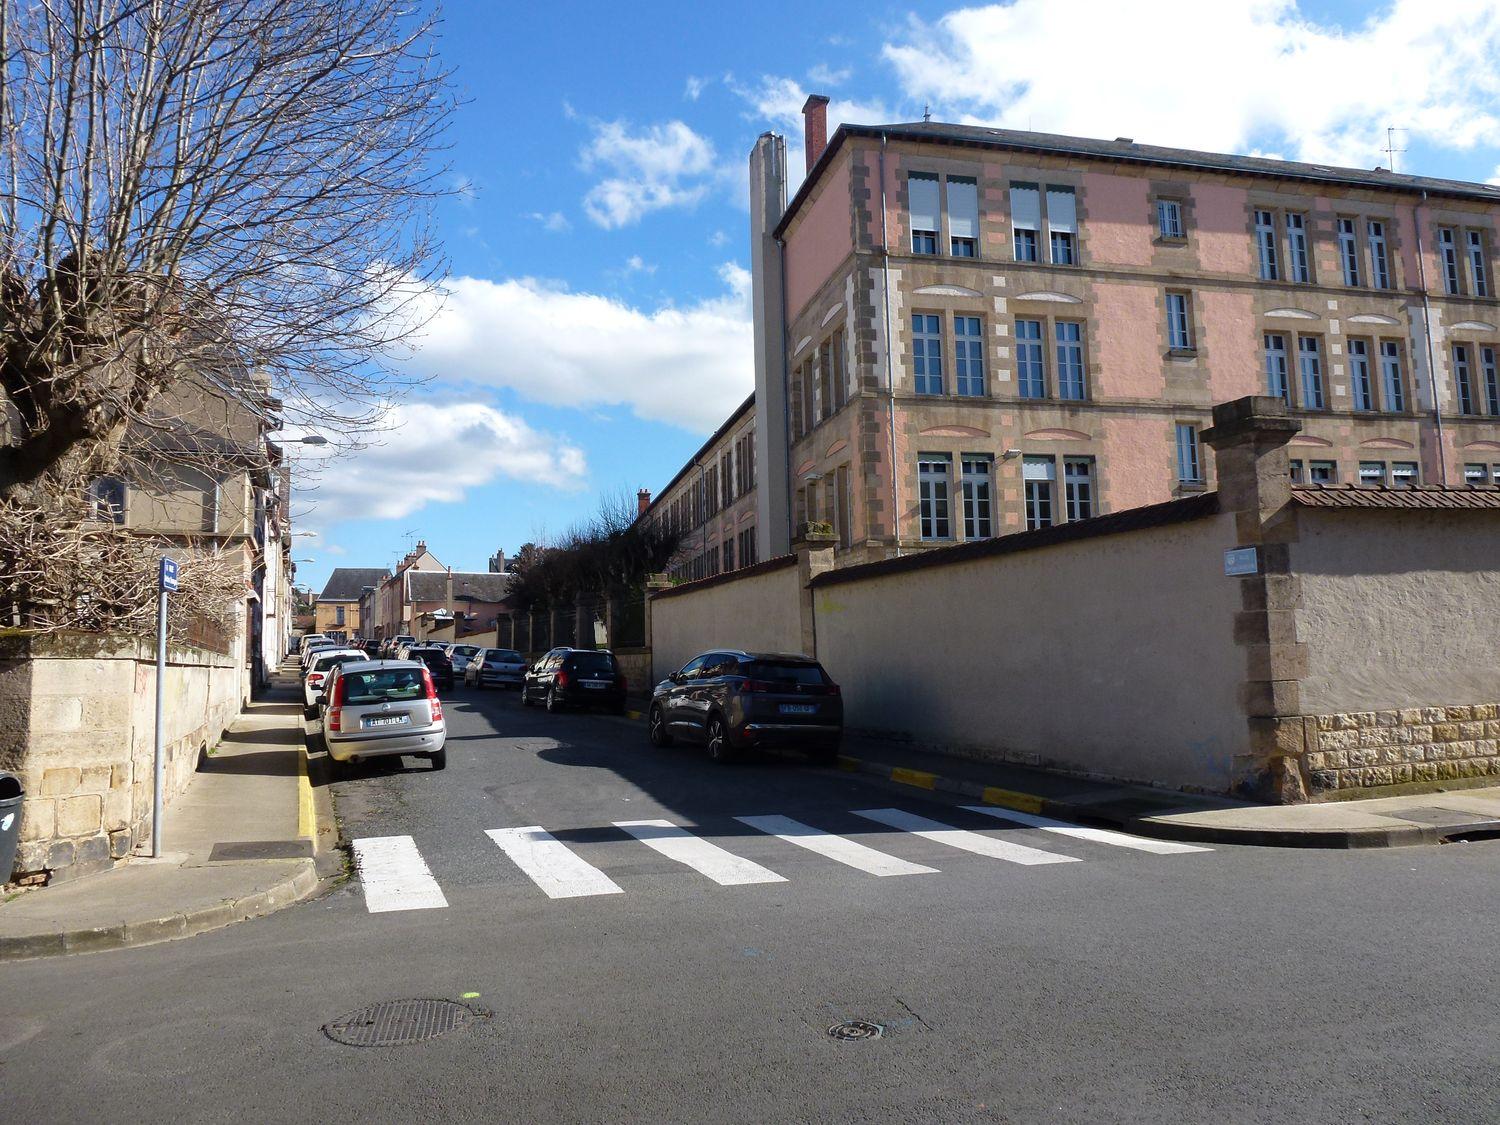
464	650
595	662
324	662
788	672
383	685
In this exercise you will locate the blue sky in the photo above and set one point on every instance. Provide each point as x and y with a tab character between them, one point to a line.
595	327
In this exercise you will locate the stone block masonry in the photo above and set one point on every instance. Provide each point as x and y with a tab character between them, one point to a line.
1413	746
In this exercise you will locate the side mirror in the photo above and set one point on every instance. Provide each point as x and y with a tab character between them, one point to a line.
674	677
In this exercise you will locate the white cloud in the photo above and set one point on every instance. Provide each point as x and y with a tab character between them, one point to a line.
636	264
1255	71
431	452
825	75
688	366
554	221
652	169
695	87
718	238
780	100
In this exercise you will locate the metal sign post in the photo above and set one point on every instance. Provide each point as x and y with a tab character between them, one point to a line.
167	584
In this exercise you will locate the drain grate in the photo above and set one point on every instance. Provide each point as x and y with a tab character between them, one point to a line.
396	1023
855	1029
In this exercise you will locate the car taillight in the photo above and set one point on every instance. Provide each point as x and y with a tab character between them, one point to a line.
562	679
336	711
833	689
315	678
432	696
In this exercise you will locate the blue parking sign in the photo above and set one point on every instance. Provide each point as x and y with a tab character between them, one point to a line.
168	574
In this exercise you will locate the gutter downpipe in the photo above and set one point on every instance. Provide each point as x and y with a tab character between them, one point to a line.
1437	410
890	372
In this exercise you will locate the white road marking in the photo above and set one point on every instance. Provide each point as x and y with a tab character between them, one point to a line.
722	867
941	833
834	847
550	864
394	875
1098	835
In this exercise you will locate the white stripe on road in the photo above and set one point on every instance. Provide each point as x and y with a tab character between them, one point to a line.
833	847
722	867
550	865
394	875
961	838
1098	835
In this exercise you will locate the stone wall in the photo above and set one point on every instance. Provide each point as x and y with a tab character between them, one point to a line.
77	718
1351	753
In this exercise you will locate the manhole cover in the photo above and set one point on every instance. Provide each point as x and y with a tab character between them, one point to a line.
398	1022
855	1029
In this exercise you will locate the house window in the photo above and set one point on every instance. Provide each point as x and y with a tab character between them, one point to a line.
841	524
1360	388
1310	369
1169	218
927	353
1371	473
1491	380
1078	487
1349	251
1404	474
978	475
1276	368
1448	249
922	204
1025	220
1296	247
338	615
825	379
1476	475
1296	471
1069	335
933	472
1179	327
1038	475
726	477
840	370
1390	376
963	217
1062	225
1478	274
1265	242
1380	271
748	555
107	500
1031	374
728	555
1463	376
1323	472
968	354
1189	463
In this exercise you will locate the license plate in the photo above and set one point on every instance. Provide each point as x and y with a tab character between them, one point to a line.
596	687
387	721
799	709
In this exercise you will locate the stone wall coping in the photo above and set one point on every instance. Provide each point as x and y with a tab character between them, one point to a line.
22	645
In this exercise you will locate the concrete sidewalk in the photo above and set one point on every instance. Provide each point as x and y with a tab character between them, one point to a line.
249	836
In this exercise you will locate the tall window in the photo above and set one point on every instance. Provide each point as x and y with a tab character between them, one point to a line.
927	353
1169	218
1491	380
1276	367
1078	486
1189	463
1477	271
968	354
1464	377
1360	388
1179	326
728	555
726	478
338	615
1390	376
1349	251
1310	369
1026	219
1265	243
933	472
963	217
1031	374
825	379
1062	225
978	476
1296	247
1380	270
839	362
922	204
1448	251
1069	335
1038	474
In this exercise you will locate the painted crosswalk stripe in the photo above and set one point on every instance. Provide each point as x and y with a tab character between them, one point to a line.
550	865
834	847
722	867
1080	832
941	833
394	875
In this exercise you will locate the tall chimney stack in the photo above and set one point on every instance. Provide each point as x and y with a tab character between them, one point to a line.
642	501
814	128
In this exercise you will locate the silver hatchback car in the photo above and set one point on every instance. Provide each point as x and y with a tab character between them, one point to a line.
374	708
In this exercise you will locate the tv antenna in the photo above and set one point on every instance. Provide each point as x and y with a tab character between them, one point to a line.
1390	145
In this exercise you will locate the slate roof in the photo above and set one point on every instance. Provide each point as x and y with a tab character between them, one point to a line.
1429	498
346	583
432	585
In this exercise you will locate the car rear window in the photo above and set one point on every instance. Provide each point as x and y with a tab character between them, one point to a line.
509	655
788	672
464	650
429	655
330	660
383	685
592	662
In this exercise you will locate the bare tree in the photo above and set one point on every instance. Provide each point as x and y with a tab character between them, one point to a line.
234	192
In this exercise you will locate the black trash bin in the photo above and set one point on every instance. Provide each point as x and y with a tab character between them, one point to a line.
10	822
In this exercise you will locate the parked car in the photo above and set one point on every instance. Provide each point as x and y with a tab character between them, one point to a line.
733	701
495	667
575	677
393	645
461	655
372	648
313	649
323	663
377	708
437	663
309	639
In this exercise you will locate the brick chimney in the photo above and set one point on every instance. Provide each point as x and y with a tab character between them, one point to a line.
642	501
814	128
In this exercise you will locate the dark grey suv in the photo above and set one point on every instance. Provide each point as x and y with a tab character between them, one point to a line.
731	701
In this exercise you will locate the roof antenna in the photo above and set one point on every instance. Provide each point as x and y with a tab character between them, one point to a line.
1390	144
926	112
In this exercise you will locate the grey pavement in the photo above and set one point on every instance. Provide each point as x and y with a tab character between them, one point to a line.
1221	984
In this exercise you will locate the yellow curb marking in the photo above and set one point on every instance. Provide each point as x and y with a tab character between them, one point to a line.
307	814
1009	799
847	763
920	778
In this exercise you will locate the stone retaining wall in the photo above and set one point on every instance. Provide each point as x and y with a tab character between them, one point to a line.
1365	750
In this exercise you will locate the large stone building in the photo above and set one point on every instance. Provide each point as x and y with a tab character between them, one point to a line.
963	331
421	594
336	612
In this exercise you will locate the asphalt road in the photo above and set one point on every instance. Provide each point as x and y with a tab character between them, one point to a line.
1231	984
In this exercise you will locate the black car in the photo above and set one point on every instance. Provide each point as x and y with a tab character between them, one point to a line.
575	677
732	701
437	663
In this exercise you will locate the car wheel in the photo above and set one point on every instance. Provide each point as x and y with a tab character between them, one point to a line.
439	759
718	741
310	711
525	697
656	728
553	706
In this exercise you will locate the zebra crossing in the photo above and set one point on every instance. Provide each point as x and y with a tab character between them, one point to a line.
395	877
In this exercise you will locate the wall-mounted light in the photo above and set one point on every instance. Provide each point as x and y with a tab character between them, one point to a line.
1011	454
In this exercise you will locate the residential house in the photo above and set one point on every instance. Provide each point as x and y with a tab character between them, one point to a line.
337	609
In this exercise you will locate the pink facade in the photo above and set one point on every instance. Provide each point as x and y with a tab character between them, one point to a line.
825	243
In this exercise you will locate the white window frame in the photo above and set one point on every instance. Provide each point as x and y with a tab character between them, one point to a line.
1349	251
1078	488
1361	384
1179	320
935	497
1189	454
1380	262
1448	255
1392	380
1299	263
1266	245
1169	218
978	489
1039	486
1310	376
1277	355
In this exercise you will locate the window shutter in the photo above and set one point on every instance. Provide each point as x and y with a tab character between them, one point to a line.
1038	468
963	209
922	201
1025	207
1062	210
